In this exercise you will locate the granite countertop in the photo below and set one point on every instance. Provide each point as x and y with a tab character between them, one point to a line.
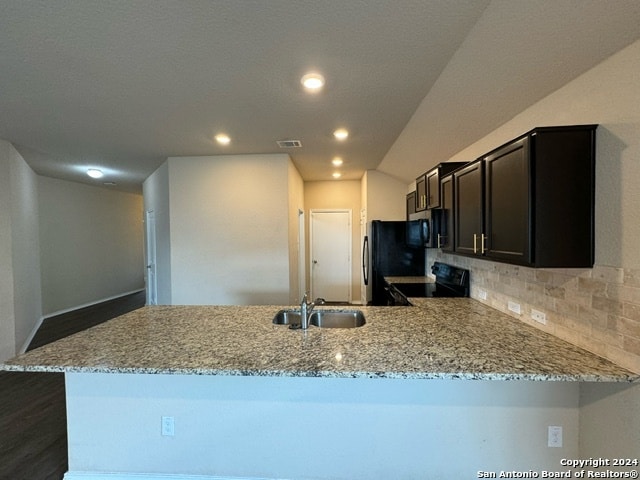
440	339
421	279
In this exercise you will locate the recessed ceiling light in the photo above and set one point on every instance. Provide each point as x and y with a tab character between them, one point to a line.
95	173
341	134
337	161
337	174
223	139
313	82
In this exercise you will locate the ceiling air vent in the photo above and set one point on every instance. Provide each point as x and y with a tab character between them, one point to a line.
289	143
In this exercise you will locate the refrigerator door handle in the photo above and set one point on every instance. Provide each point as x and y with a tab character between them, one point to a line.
365	260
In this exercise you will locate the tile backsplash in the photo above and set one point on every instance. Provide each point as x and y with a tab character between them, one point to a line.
596	308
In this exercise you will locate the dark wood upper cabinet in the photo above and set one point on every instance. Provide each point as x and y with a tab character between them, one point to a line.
446	235
428	184
531	201
433	188
468	209
411	203
421	193
508	199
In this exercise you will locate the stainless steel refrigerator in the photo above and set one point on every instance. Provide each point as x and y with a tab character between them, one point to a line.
389	255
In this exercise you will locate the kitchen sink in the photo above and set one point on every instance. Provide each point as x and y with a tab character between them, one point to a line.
322	318
337	318
287	317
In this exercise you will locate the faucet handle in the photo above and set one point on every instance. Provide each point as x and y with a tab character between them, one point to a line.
319	301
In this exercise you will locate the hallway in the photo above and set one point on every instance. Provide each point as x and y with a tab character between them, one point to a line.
33	439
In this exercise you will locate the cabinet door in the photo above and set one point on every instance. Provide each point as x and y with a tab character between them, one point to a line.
411	204
446	234
468	205
507	207
433	188
421	193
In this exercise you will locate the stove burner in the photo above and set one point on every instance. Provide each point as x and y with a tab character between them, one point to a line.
450	282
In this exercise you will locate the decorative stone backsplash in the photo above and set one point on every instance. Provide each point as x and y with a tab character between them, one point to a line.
597	309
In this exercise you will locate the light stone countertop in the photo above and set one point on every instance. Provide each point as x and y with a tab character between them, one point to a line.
443	338
421	279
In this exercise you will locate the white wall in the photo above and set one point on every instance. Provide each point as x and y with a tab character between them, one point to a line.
91	243
384	197
20	297
7	316
296	204
320	428
229	222
609	421
156	200
26	249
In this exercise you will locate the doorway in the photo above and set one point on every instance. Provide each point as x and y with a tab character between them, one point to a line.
330	254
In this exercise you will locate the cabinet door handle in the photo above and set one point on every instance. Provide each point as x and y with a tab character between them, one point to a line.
475	243
439	244
482	239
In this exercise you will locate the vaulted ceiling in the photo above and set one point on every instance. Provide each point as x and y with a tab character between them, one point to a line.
122	85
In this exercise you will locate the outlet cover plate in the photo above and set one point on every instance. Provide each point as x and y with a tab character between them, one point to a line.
538	316
554	436
514	307
168	427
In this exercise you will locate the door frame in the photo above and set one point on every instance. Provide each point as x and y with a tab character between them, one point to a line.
150	271
302	274
350	262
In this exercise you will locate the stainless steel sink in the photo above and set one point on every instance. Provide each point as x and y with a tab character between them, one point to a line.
287	317
337	318
322	318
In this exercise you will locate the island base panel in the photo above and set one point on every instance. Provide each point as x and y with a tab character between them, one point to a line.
234	427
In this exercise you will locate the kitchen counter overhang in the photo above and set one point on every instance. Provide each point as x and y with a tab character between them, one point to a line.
452	338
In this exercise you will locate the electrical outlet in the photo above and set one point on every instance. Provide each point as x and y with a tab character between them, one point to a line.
482	294
554	437
538	316
168	426
514	307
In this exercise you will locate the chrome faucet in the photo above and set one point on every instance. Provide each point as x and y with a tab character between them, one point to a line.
306	308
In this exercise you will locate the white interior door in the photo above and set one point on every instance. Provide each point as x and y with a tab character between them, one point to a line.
330	253
151	280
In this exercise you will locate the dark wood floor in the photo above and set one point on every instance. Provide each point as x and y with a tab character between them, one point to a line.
66	324
33	434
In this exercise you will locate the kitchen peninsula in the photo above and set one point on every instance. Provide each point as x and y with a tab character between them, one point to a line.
251	399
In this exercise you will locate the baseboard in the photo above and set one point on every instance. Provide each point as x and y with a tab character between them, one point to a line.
67	310
30	337
148	476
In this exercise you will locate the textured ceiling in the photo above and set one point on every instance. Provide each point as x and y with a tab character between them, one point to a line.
122	85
